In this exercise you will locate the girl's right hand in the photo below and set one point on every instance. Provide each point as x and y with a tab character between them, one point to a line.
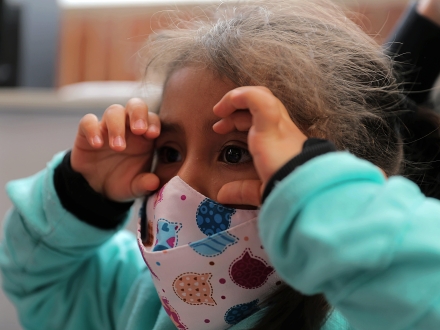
115	154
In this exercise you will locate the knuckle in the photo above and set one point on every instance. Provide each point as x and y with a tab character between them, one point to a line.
135	100
113	109
264	89
86	119
237	93
153	118
136	104
272	103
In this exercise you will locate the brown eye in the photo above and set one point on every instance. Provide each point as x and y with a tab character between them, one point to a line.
235	155
167	155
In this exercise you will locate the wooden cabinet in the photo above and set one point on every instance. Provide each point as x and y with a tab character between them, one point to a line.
101	42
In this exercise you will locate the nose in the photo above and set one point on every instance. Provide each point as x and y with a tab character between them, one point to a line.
197	176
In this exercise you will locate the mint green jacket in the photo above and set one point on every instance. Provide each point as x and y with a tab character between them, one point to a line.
333	226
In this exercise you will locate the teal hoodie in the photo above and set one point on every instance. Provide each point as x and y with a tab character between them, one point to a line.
334	226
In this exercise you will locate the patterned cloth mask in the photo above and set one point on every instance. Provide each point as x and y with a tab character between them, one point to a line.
206	260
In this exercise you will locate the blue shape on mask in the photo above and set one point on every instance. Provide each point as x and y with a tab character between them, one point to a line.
165	227
239	312
214	245
166	236
212	217
160	247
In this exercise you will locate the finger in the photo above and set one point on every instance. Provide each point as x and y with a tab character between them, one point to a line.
137	112
114	121
153	130
265	108
233	96
240	120
144	183
89	128
244	192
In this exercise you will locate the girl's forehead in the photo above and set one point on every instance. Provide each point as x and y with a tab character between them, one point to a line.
193	92
194	79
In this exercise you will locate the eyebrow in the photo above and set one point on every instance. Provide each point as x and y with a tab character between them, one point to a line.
169	127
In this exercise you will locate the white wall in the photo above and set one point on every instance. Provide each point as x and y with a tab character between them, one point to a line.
27	142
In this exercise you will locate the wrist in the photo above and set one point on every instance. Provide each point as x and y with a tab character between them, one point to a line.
312	148
93	180
429	9
81	200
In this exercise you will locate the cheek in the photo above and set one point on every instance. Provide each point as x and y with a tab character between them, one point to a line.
208	179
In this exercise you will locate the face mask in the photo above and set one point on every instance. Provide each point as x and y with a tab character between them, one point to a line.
206	260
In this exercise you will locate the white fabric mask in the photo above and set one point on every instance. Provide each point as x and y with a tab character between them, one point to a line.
206	260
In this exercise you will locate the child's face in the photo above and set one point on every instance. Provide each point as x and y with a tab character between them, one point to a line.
187	145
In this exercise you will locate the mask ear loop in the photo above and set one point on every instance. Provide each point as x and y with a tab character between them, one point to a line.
143	221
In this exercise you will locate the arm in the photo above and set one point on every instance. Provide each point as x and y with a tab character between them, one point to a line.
336	226
415	45
56	269
64	260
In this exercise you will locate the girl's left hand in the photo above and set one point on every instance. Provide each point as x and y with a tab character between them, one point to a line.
273	138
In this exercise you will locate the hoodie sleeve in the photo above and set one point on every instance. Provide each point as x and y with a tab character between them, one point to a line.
336	226
415	47
60	272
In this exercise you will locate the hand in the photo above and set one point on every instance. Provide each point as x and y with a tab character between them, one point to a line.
430	9
114	155
273	138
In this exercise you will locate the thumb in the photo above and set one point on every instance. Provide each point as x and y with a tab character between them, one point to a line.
244	192
144	183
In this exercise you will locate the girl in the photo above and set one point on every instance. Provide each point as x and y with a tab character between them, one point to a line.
247	102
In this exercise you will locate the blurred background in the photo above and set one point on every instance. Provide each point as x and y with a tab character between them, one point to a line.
61	59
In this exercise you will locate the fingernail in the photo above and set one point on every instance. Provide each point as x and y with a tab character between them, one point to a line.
139	124
118	141
96	140
153	128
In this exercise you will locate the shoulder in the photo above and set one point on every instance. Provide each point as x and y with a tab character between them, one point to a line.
336	321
